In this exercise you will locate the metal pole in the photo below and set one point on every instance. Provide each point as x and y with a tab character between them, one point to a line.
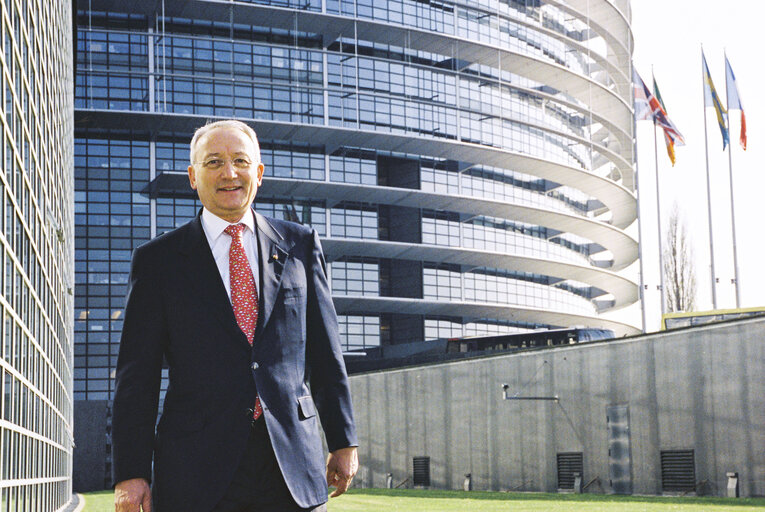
658	225
709	187
550	398
732	207
640	231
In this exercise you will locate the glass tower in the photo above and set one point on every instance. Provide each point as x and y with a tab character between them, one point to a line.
36	255
468	165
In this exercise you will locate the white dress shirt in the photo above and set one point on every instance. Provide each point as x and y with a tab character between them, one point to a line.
220	243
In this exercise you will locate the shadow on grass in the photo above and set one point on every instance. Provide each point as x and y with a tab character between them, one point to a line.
534	496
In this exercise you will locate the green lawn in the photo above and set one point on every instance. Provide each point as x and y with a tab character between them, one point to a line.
405	500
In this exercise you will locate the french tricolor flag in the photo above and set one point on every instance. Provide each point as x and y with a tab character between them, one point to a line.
734	99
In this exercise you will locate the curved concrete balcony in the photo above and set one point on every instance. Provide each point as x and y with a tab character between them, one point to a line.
624	291
619	76
597	149
599	98
607	20
622	137
618	199
475	310
602	153
623	247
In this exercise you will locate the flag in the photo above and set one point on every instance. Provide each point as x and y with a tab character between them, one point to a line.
734	99
648	106
667	139
643	110
711	99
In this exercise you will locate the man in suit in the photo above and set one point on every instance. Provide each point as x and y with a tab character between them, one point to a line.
239	308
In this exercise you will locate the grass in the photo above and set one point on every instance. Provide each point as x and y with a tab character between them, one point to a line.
407	500
99	501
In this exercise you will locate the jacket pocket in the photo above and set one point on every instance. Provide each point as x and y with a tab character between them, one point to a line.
293	295
306	406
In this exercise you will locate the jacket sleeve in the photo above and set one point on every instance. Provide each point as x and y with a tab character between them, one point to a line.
329	381
139	370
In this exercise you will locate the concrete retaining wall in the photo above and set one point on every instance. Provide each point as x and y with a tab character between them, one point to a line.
701	389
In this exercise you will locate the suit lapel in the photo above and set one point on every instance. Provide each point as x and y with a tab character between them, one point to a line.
203	275
273	254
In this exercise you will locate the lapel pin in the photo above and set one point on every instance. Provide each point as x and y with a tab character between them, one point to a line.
275	257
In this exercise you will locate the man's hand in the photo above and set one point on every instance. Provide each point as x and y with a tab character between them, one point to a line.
342	465
132	495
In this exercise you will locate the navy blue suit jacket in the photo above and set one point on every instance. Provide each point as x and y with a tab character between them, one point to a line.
178	309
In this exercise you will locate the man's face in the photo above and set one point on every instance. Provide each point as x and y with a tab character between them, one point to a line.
225	173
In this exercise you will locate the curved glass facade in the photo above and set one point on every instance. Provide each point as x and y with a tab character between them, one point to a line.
36	256
454	156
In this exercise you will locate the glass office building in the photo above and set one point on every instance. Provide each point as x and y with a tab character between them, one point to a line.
468	165
36	255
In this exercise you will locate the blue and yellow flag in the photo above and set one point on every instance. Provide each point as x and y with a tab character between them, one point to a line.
711	99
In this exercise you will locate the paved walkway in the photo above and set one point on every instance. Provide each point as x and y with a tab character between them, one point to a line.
76	505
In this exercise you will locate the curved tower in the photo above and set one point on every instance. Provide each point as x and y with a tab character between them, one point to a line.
36	255
468	165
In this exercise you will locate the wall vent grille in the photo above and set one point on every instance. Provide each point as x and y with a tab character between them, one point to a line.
421	471
678	471
568	464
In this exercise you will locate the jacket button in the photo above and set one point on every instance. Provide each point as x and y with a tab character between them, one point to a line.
255	366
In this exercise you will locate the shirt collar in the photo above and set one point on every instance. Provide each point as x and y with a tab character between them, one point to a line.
214	225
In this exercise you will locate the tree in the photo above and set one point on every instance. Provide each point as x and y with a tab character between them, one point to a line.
679	270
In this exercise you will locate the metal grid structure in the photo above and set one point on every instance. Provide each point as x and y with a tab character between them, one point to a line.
36	255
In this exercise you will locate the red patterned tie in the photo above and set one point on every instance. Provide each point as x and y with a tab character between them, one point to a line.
244	295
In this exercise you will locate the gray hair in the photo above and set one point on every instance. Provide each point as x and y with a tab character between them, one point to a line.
226	123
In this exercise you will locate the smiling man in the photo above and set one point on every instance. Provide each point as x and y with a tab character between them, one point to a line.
238	306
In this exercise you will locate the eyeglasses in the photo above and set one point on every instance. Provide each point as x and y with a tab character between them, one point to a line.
214	164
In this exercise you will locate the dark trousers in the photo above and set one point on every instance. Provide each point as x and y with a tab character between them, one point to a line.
258	485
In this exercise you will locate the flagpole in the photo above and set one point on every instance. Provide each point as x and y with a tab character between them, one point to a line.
658	223
640	231
732	207
709	187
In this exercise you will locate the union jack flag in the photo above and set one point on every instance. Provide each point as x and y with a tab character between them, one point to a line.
648	106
